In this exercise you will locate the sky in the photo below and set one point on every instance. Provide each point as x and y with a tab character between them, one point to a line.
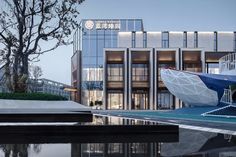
157	15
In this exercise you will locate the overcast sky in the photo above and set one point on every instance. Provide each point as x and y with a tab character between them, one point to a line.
157	15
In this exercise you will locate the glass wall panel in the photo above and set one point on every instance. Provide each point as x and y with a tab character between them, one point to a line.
114	148
165	39
131	25
140	72
115	100
194	67
165	100
212	68
93	41
115	72
140	99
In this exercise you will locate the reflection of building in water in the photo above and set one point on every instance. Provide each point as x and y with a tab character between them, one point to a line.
115	149
200	144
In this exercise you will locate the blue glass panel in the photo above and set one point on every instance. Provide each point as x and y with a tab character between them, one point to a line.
131	25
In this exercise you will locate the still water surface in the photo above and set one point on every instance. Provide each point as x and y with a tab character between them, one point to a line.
190	143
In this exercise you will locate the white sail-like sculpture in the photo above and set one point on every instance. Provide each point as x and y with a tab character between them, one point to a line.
189	88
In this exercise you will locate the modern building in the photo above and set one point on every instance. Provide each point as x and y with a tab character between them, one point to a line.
132	70
48	86
117	62
90	38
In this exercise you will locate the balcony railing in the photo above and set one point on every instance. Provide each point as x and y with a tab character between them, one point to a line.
227	97
227	63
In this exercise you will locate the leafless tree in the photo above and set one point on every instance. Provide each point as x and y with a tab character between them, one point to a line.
29	28
36	72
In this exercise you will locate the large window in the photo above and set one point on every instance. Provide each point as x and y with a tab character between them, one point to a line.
194	67
165	39
140	72
164	66
212	68
145	39
115	72
165	100
133	39
185	44
115	100
139	100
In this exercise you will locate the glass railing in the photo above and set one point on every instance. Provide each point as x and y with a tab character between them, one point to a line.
227	97
227	63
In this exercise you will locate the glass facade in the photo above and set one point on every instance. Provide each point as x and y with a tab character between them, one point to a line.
115	100
115	72
140	72
212	68
140	99
165	39
165	100
94	36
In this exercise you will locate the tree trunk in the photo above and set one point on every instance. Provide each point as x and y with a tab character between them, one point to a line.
8	70
15	74
24	73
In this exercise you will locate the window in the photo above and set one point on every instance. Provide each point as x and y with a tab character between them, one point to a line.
133	39
165	39
115	72
185	40
140	72
215	41
140	99
165	100
235	42
115	100
212	68
145	39
195	39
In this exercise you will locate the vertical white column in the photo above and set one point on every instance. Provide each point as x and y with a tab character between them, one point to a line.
104	80
151	80
155	78
178	60
203	61
130	79
125	80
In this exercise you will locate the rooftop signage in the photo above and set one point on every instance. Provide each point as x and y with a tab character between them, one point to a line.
102	25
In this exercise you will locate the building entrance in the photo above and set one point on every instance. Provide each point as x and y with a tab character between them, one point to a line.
140	100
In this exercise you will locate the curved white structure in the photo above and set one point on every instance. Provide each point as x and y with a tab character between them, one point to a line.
227	64
189	88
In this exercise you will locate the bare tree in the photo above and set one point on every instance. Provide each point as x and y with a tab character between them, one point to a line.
26	28
36	72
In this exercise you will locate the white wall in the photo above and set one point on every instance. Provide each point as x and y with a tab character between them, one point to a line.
206	40
175	39
225	41
153	39
139	39
124	39
190	39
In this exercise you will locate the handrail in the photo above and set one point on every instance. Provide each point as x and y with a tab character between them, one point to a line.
227	62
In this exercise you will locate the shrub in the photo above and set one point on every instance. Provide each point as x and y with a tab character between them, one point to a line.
31	96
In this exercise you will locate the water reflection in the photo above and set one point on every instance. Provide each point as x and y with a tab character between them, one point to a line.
115	150
19	150
191	143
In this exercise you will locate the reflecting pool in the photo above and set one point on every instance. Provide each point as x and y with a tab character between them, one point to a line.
189	143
